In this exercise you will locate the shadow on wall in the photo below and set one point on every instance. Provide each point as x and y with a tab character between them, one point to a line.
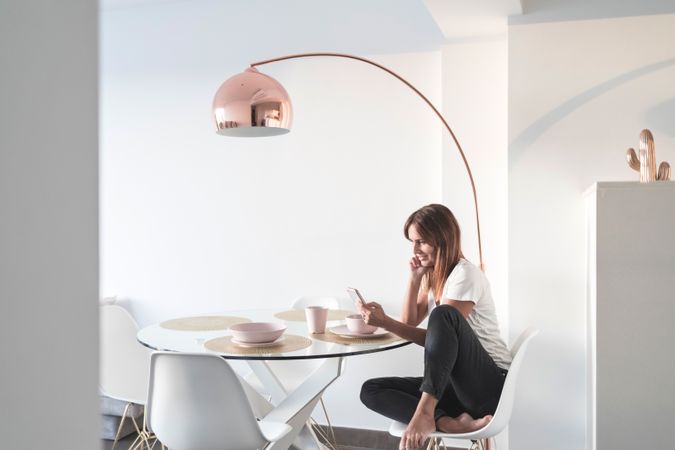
662	117
525	139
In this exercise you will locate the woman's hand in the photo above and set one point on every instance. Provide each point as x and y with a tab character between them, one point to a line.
373	314
417	271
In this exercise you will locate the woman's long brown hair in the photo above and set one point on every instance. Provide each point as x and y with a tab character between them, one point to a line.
437	225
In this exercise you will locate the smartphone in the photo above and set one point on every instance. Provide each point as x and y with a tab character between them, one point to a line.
356	296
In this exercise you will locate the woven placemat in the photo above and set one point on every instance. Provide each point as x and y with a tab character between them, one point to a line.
298	315
290	343
336	338
202	323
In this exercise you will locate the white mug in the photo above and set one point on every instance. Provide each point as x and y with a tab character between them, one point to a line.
316	319
356	324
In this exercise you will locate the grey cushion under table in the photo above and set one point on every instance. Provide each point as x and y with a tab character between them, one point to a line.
111	415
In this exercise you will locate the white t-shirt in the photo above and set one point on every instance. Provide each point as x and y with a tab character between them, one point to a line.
466	282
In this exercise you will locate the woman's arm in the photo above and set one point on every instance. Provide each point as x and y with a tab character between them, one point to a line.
411	332
373	314
407	332
415	305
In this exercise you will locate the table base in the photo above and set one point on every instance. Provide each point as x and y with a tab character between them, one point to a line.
295	408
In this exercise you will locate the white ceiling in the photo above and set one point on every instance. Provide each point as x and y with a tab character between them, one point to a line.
269	27
360	26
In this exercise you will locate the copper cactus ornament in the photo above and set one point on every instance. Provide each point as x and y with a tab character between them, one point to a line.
644	161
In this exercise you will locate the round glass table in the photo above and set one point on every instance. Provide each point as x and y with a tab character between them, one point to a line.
157	337
294	407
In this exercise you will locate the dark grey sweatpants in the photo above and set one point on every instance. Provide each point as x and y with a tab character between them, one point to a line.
457	371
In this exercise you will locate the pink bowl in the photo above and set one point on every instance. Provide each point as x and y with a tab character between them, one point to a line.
355	324
257	332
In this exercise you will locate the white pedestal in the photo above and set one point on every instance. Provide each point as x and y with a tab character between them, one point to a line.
631	315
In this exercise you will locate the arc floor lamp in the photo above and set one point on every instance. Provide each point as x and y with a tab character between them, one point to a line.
252	104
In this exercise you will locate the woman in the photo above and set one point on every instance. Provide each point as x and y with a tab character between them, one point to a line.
465	360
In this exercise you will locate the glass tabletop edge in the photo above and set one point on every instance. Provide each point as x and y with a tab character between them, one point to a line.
288	358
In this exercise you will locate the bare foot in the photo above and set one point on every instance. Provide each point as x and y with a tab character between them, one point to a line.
417	431
463	423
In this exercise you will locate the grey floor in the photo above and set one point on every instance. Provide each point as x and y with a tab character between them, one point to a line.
348	439
123	444
126	442
381	442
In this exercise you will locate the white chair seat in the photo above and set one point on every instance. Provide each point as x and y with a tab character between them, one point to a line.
397	429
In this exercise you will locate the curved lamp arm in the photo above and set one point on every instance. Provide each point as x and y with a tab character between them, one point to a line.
281	110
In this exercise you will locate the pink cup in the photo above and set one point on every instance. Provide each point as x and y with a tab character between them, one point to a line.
355	324
316	319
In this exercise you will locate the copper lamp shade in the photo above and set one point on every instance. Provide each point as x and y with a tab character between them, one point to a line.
252	104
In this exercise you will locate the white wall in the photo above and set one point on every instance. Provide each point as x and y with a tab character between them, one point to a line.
48	225
475	92
579	94
475	105
192	222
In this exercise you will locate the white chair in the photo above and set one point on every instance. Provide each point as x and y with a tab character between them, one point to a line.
504	408
196	402
124	366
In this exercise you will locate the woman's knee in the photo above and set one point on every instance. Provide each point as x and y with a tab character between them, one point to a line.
369	391
445	314
444	321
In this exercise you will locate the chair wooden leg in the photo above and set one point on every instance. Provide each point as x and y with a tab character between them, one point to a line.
484	444
140	441
330	426
119	428
135	445
316	428
477	445
328	437
144	437
434	444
